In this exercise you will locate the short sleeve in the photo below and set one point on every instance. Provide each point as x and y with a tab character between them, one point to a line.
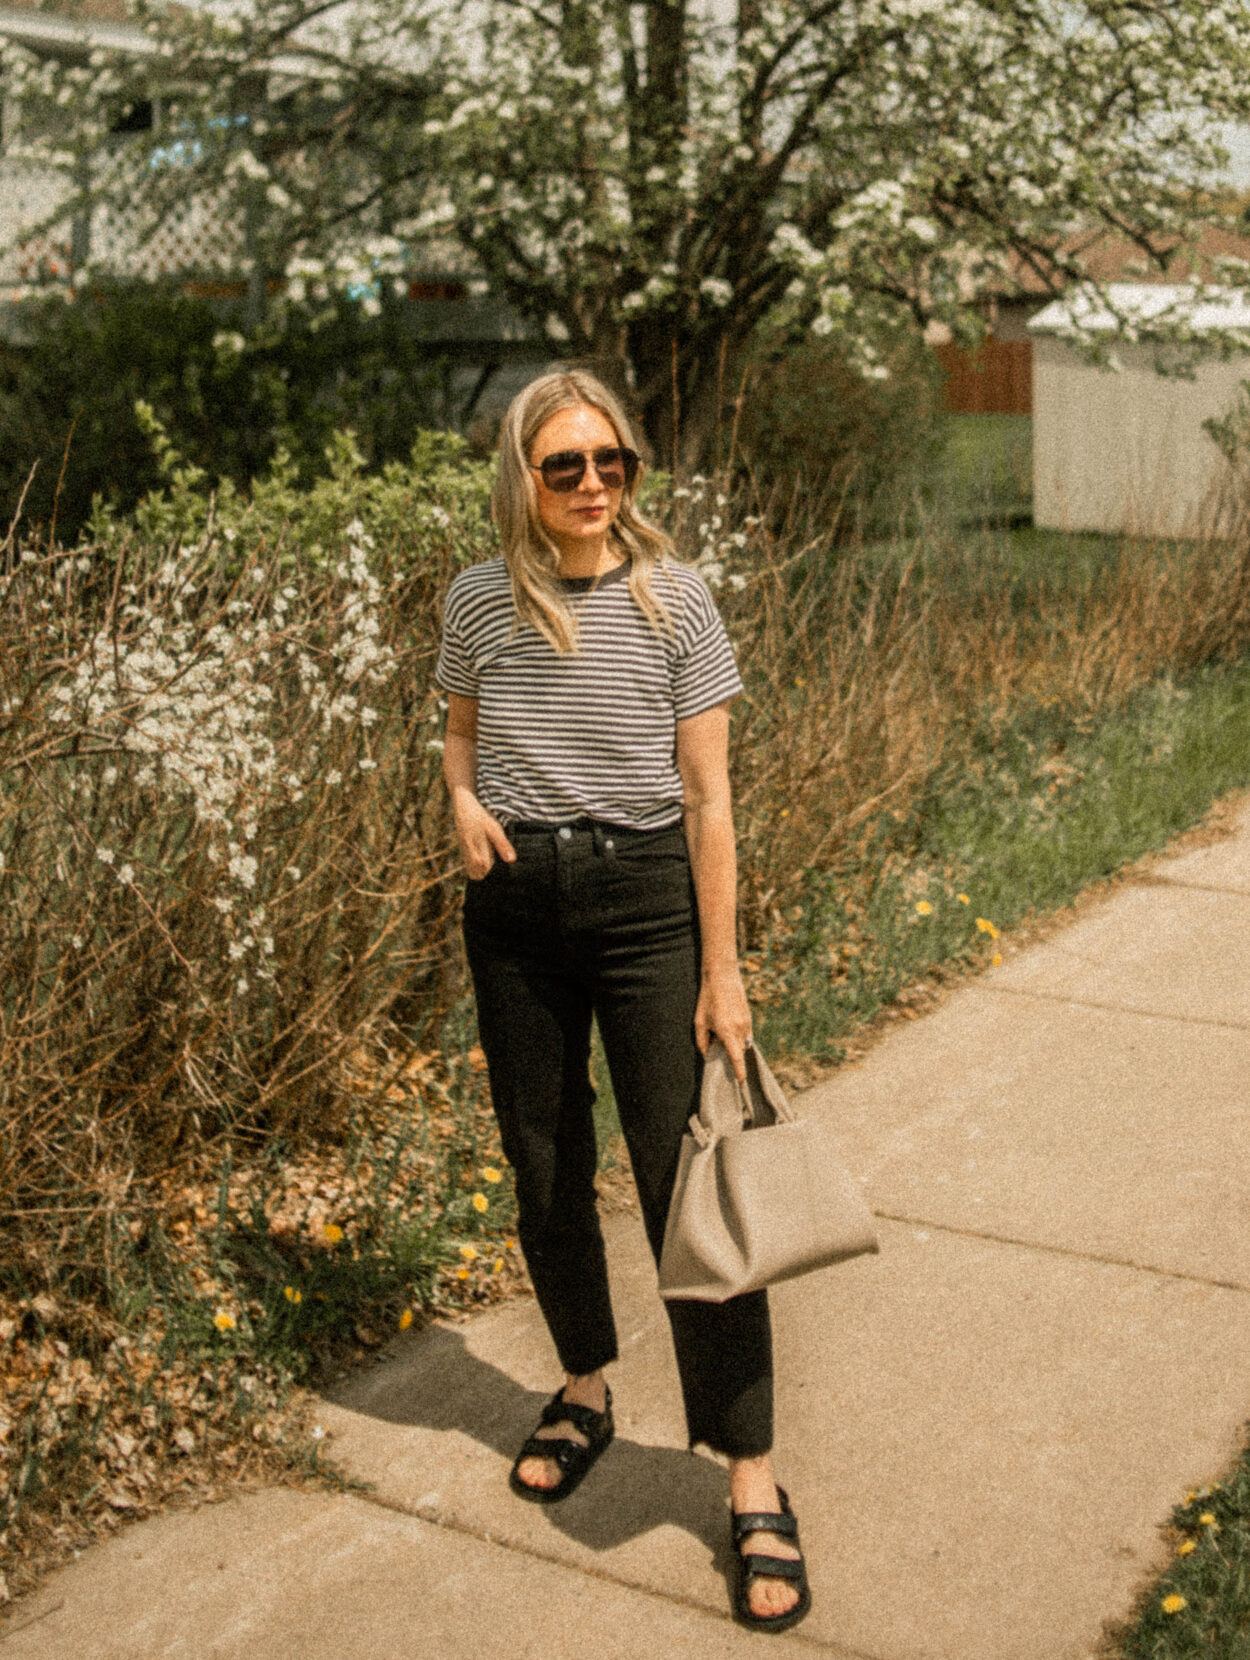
704	670
456	670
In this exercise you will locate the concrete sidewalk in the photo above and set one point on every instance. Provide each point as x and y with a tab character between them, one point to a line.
981	1430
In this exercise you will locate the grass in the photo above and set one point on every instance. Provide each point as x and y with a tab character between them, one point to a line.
1048	807
984	472
1201	1605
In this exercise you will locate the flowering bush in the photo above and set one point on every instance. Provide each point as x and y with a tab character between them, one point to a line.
223	838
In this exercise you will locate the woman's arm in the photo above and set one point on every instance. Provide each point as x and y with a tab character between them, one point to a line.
703	761
480	834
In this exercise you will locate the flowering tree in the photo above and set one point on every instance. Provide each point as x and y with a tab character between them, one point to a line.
646	180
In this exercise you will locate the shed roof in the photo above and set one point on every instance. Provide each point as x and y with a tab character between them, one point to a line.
1141	304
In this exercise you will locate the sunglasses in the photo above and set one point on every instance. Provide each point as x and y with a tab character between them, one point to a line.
564	471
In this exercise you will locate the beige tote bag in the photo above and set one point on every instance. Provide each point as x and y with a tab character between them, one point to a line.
760	1196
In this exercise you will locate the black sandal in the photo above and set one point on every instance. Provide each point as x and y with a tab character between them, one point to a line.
573	1459
753	1566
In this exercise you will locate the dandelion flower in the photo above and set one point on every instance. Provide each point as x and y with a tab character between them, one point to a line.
923	908
293	1295
785	813
462	1273
1173	1604
1207	1519
1186	1546
480	1202
223	1321
985	926
490	1174
469	1253
497	1266
405	1319
963	899
333	1232
996	961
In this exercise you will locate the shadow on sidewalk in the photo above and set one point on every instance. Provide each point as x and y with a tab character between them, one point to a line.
633	1489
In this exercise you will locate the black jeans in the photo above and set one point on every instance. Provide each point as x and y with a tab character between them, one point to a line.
593	919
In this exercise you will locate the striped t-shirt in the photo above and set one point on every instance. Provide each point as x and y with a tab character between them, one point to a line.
594	732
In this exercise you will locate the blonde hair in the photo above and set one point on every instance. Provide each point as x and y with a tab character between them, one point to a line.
532	558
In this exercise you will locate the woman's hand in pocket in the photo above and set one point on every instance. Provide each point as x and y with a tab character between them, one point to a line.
481	836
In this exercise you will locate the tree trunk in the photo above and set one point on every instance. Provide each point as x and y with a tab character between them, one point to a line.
686	398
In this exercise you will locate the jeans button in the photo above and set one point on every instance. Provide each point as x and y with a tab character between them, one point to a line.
564	833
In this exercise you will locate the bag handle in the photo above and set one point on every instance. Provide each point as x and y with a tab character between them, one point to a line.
727	1107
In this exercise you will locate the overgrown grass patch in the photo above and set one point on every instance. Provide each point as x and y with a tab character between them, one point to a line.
1031	814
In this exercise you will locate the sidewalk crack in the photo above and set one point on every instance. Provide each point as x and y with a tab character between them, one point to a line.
1062	1251
1114	1008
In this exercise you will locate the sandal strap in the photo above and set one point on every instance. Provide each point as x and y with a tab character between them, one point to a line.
584	1418
762	1521
773	1567
561	1452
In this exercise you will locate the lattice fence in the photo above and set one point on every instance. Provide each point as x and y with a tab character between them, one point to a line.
196	238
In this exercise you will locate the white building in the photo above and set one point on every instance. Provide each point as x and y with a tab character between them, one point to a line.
1123	449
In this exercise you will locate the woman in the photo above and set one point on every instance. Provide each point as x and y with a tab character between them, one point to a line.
588	682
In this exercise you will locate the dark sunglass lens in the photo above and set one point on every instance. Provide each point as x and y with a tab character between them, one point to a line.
563	471
614	467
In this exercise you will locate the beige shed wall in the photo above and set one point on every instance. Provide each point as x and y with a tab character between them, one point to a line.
1125	451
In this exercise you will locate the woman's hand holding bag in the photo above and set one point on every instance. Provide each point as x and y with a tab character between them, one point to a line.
761	1195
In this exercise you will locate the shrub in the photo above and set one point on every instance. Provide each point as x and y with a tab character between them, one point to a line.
850	451
68	393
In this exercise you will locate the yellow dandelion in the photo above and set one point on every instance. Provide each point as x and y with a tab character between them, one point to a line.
509	1244
490	1174
462	1273
996	961
405	1319
1173	1604
1208	1520
333	1232
985	926
293	1295
469	1253
923	908
223	1321
799	680
963	899
785	813
1186	1546
480	1202
497	1265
